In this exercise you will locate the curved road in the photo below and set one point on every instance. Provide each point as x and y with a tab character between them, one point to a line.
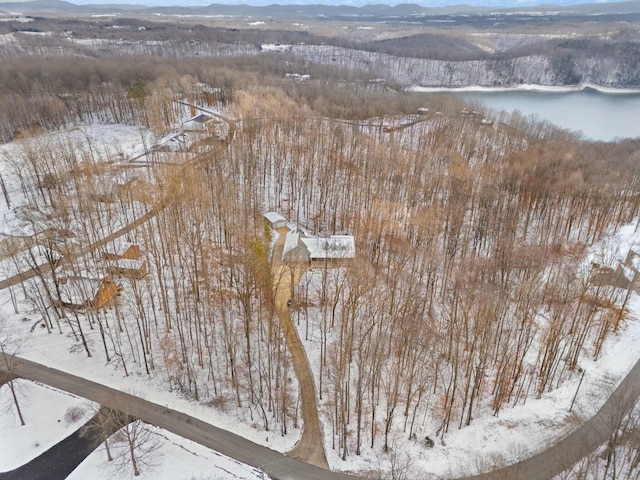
542	466
275	464
567	451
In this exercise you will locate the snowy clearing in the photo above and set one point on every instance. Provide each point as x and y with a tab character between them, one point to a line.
175	459
50	416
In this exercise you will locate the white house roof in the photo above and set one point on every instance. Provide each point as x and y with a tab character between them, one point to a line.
274	217
291	241
333	247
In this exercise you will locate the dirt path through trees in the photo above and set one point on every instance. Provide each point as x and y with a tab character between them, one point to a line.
285	276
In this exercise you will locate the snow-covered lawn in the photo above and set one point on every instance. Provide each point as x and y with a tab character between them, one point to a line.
49	414
174	459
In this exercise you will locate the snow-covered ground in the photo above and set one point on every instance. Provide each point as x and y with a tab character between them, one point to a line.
174	459
49	414
524	88
60	351
487	443
518	432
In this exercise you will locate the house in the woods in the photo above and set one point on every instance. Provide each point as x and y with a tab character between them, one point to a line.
176	142
82	292
295	249
197	123
299	247
275	220
630	268
121	250
124	267
626	275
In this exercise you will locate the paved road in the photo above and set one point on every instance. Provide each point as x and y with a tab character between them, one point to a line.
570	449
60	460
557	458
275	464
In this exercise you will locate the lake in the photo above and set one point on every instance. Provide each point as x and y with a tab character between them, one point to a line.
599	116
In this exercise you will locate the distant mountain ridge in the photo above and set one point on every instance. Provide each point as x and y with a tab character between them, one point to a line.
488	57
313	7
465	4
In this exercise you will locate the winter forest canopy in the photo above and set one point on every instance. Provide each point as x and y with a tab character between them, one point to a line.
470	291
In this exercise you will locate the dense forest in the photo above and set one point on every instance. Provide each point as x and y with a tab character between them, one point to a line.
605	55
469	292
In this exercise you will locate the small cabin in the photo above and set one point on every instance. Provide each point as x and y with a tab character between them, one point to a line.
121	250
80	293
198	123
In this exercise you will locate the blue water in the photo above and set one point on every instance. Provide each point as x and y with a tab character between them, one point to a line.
599	116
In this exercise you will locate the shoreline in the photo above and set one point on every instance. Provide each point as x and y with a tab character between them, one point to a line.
525	88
